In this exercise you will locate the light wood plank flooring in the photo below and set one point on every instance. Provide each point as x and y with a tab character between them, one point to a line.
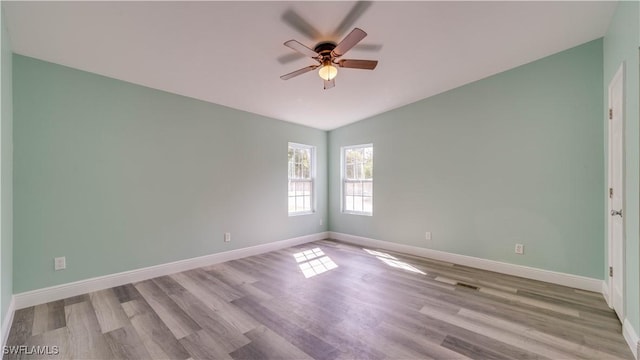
326	300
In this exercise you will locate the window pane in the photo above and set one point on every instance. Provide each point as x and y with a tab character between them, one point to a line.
307	188
348	189
349	171
348	155
357	203
368	169
368	205
299	203
292	204
348	203
307	203
367	188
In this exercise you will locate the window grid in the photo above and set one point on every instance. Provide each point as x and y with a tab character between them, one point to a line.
357	181
300	179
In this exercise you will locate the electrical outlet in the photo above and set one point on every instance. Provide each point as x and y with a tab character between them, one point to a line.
227	237
59	263
427	235
320	221
519	249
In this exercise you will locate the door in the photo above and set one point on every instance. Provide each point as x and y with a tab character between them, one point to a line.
616	194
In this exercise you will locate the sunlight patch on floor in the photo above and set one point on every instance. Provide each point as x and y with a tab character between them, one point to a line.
394	262
314	262
379	254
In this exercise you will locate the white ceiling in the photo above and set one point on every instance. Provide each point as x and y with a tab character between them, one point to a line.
231	53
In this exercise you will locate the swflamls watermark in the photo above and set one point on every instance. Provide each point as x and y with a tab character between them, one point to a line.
31	350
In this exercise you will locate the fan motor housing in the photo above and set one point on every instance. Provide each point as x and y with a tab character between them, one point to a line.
325	48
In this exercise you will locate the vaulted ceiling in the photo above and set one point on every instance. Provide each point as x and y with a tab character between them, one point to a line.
232	53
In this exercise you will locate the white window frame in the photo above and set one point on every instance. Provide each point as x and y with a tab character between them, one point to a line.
344	181
311	180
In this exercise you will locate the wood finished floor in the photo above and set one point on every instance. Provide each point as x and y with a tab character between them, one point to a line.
327	300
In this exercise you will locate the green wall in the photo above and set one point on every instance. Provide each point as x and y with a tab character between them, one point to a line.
621	46
116	176
6	173
514	158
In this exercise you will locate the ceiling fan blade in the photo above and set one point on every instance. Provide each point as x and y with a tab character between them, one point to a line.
301	48
358	64
328	84
354	37
290	57
298	72
296	21
354	14
368	47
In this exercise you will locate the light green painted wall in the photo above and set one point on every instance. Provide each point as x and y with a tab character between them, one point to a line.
116	176
514	158
621	46
6	173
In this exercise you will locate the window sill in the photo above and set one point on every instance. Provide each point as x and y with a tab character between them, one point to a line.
302	213
357	213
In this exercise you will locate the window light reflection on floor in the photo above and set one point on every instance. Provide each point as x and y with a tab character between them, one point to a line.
308	255
379	254
313	262
394	262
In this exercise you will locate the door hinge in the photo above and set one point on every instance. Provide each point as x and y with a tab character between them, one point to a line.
611	271
610	114
610	193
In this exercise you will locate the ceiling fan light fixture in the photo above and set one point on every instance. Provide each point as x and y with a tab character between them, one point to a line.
328	71
328	56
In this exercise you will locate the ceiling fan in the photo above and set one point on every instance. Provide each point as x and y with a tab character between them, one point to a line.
327	55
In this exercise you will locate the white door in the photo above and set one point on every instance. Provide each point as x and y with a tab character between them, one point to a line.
616	194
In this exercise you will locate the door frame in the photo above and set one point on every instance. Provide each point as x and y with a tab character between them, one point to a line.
619	74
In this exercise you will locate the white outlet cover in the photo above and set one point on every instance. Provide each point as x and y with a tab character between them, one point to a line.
519	249
227	237
427	235
60	263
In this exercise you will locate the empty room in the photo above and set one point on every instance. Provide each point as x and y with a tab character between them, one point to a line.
320	180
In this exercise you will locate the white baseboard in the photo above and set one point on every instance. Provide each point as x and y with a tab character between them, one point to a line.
53	293
8	320
605	293
631	337
574	281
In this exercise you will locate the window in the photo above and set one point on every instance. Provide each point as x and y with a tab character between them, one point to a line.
357	179
301	176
